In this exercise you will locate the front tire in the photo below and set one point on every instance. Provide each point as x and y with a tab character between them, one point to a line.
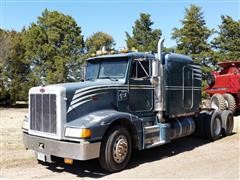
116	149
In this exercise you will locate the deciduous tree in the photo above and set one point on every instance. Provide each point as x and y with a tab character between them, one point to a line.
98	40
14	69
54	47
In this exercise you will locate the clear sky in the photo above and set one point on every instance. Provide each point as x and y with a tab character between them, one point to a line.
116	17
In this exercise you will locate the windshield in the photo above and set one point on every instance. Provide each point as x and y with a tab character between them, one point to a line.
106	69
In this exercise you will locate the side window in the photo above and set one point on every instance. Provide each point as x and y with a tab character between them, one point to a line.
140	69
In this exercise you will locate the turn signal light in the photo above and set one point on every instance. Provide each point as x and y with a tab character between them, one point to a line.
68	161
78	133
86	133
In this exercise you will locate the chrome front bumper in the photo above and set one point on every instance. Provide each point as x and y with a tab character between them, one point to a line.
74	150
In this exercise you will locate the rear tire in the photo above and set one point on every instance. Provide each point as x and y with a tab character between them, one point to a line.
227	122
209	124
213	125
230	102
218	102
116	149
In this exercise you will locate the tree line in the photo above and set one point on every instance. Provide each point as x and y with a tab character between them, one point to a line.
53	49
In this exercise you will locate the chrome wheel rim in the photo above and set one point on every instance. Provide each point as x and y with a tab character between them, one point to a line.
217	126
120	149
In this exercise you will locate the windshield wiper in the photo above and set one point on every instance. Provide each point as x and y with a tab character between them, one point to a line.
109	77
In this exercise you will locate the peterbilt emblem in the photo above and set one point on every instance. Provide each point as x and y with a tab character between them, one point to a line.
42	90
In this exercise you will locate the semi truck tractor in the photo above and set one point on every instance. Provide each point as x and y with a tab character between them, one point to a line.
127	101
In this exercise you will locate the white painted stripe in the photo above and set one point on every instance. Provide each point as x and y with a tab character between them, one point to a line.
200	79
93	87
85	97
195	66
76	95
197	75
71	107
197	71
93	90
110	86
90	91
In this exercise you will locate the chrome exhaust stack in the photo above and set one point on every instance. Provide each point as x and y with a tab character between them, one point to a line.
157	81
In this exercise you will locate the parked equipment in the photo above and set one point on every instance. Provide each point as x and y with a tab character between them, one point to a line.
224	86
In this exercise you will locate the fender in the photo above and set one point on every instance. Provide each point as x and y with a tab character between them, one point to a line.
99	122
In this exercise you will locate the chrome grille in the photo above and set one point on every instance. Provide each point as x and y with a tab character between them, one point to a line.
43	112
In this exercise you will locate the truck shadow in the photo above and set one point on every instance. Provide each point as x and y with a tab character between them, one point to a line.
92	169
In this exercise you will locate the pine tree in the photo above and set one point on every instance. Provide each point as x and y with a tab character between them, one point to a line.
143	38
192	37
227	43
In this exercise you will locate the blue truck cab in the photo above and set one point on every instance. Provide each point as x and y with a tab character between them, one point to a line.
127	101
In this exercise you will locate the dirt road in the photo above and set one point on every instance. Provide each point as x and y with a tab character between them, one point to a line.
188	157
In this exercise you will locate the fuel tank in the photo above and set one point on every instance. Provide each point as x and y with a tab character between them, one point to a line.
182	127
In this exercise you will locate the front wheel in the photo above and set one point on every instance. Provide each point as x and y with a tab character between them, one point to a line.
116	149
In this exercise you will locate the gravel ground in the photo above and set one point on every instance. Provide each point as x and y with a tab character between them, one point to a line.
187	158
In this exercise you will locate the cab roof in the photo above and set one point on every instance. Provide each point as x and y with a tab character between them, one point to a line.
129	54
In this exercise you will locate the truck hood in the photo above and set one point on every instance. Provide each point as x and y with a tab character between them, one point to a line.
78	90
74	100
70	87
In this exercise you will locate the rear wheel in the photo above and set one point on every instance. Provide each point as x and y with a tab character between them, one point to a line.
209	124
230	102
227	122
213	125
116	149
218	102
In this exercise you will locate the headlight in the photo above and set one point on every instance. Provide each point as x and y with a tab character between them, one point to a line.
78	133
25	123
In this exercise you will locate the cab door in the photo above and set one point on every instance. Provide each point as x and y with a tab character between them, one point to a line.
140	88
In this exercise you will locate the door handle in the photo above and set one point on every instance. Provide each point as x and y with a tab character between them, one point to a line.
122	95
